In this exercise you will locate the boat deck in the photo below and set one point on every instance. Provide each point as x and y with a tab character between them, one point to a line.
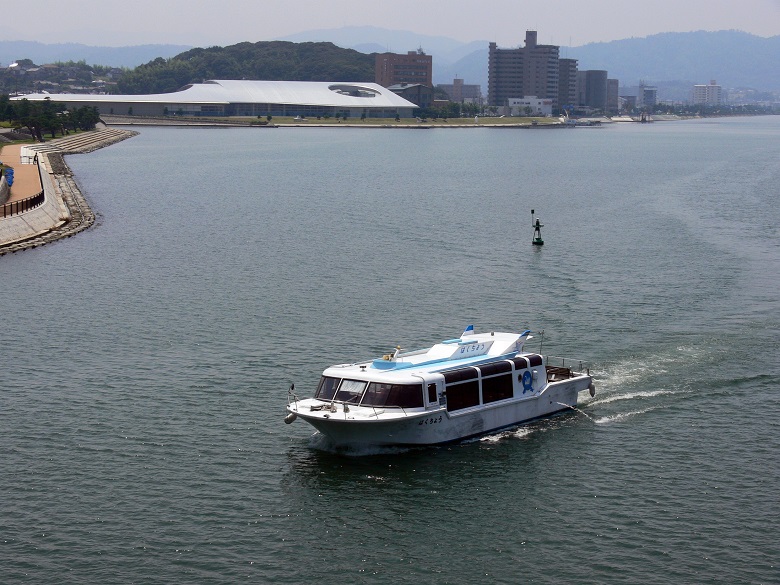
556	373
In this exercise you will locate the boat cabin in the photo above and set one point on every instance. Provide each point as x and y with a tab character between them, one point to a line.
456	388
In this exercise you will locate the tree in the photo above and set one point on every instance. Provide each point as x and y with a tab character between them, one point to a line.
276	60
84	118
37	117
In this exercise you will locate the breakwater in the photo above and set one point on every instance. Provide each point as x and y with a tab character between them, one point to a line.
64	211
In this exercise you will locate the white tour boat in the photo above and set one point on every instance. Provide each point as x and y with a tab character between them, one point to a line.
459	388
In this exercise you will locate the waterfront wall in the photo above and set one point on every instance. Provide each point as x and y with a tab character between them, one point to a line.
64	211
52	214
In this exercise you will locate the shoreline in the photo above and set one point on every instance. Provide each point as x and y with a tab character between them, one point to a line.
65	211
376	123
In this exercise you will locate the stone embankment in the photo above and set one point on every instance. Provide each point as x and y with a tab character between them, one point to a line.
64	212
117	120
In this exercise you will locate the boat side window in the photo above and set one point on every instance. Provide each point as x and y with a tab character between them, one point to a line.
400	395
327	388
502	367
535	360
461	375
462	395
520	363
497	388
350	391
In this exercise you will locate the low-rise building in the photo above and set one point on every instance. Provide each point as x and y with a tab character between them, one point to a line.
250	98
462	93
417	93
528	106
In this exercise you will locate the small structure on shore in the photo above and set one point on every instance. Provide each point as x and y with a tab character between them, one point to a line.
537	225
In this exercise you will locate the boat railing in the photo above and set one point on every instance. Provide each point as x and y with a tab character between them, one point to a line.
573	364
292	397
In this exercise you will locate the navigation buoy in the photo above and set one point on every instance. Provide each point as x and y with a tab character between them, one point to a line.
537	225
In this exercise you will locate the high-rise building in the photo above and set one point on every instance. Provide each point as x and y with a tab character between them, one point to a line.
708	95
648	95
596	89
525	71
414	67
505	75
613	97
567	82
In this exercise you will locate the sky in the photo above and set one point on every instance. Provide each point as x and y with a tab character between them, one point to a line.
203	24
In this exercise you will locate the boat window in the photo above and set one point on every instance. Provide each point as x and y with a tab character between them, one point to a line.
432	393
462	395
520	363
327	388
496	368
350	391
536	360
401	395
497	388
460	375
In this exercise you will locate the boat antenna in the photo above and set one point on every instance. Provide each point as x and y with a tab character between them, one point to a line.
541	340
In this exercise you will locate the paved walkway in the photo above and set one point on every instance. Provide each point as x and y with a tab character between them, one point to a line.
27	180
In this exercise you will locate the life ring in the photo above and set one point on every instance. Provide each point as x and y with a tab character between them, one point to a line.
527	382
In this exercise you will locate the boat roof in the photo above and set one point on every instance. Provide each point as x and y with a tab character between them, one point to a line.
406	366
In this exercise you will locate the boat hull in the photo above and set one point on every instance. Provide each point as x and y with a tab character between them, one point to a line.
439	426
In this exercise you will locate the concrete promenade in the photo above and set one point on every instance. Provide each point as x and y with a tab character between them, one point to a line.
27	181
41	167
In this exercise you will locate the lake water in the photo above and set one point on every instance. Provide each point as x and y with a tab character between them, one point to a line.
146	361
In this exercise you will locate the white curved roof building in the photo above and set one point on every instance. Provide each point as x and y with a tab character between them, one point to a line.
250	98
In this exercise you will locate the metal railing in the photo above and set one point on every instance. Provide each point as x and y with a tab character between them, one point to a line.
16	207
574	364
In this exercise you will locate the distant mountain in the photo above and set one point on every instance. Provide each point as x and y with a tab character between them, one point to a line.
394	41
41	54
672	61
733	58
276	60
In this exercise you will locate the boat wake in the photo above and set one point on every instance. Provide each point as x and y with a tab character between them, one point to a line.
634	371
576	409
630	396
518	433
619	417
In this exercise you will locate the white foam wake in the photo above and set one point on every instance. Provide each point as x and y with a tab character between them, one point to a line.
630	396
622	416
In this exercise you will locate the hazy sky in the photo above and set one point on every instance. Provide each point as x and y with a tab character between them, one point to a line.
225	22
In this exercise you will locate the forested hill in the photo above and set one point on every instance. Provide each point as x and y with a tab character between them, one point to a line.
268	60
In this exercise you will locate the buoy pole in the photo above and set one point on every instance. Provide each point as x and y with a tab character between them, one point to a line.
537	225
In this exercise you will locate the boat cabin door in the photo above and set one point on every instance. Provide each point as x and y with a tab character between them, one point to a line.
434	394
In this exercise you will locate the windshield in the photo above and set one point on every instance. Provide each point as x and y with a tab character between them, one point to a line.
400	395
350	391
327	388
